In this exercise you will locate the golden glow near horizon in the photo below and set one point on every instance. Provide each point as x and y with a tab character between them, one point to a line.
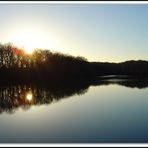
29	97
31	38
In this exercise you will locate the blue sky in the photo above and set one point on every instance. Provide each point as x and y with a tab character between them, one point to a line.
99	32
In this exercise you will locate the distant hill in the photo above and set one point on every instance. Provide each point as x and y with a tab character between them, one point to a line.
132	67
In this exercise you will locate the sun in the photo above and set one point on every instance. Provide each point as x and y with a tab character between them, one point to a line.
29	39
27	42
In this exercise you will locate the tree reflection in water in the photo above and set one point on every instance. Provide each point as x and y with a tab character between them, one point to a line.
14	96
23	96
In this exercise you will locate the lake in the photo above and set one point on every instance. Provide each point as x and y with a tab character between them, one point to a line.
106	111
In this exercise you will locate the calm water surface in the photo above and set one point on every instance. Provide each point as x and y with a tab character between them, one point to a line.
110	112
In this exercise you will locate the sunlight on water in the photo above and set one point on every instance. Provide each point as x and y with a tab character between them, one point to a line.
29	97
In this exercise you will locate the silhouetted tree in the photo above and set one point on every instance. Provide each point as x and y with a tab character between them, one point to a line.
15	64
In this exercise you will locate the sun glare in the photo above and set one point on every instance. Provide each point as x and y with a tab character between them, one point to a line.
30	39
25	42
29	97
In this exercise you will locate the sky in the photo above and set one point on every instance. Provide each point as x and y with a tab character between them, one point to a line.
98	32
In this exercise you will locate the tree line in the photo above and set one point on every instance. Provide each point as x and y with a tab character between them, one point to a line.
12	56
42	65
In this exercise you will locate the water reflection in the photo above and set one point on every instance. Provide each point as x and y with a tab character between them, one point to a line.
131	83
13	97
29	96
